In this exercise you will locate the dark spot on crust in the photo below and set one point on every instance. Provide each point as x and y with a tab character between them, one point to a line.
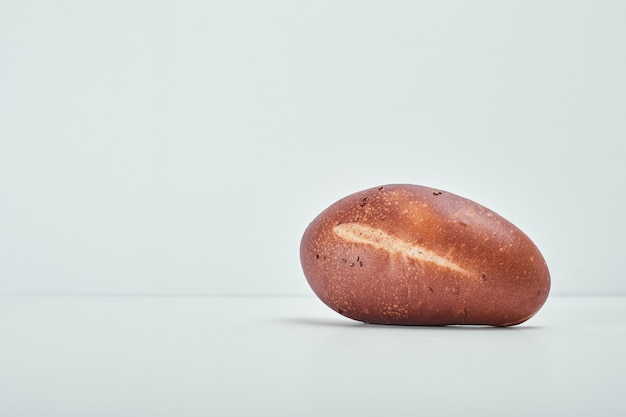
351	264
363	202
340	311
317	256
483	277
463	224
380	188
343	260
360	263
429	289
436	192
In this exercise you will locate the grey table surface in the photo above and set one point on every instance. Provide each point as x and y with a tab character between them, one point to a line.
292	356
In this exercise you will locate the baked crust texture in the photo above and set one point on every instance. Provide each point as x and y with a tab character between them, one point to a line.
414	255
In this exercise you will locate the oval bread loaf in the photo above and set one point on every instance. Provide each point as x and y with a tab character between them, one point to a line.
413	255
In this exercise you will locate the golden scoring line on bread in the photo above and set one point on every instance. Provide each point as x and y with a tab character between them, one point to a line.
360	233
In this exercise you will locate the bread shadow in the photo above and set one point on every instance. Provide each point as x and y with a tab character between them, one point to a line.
311	321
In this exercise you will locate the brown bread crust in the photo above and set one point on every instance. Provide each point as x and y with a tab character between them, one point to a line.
414	255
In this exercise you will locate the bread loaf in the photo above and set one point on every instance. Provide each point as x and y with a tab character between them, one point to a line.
413	255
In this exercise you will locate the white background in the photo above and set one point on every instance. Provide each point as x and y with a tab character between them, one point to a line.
162	147
100	356
181	148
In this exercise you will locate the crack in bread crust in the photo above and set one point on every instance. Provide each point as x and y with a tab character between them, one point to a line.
363	234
